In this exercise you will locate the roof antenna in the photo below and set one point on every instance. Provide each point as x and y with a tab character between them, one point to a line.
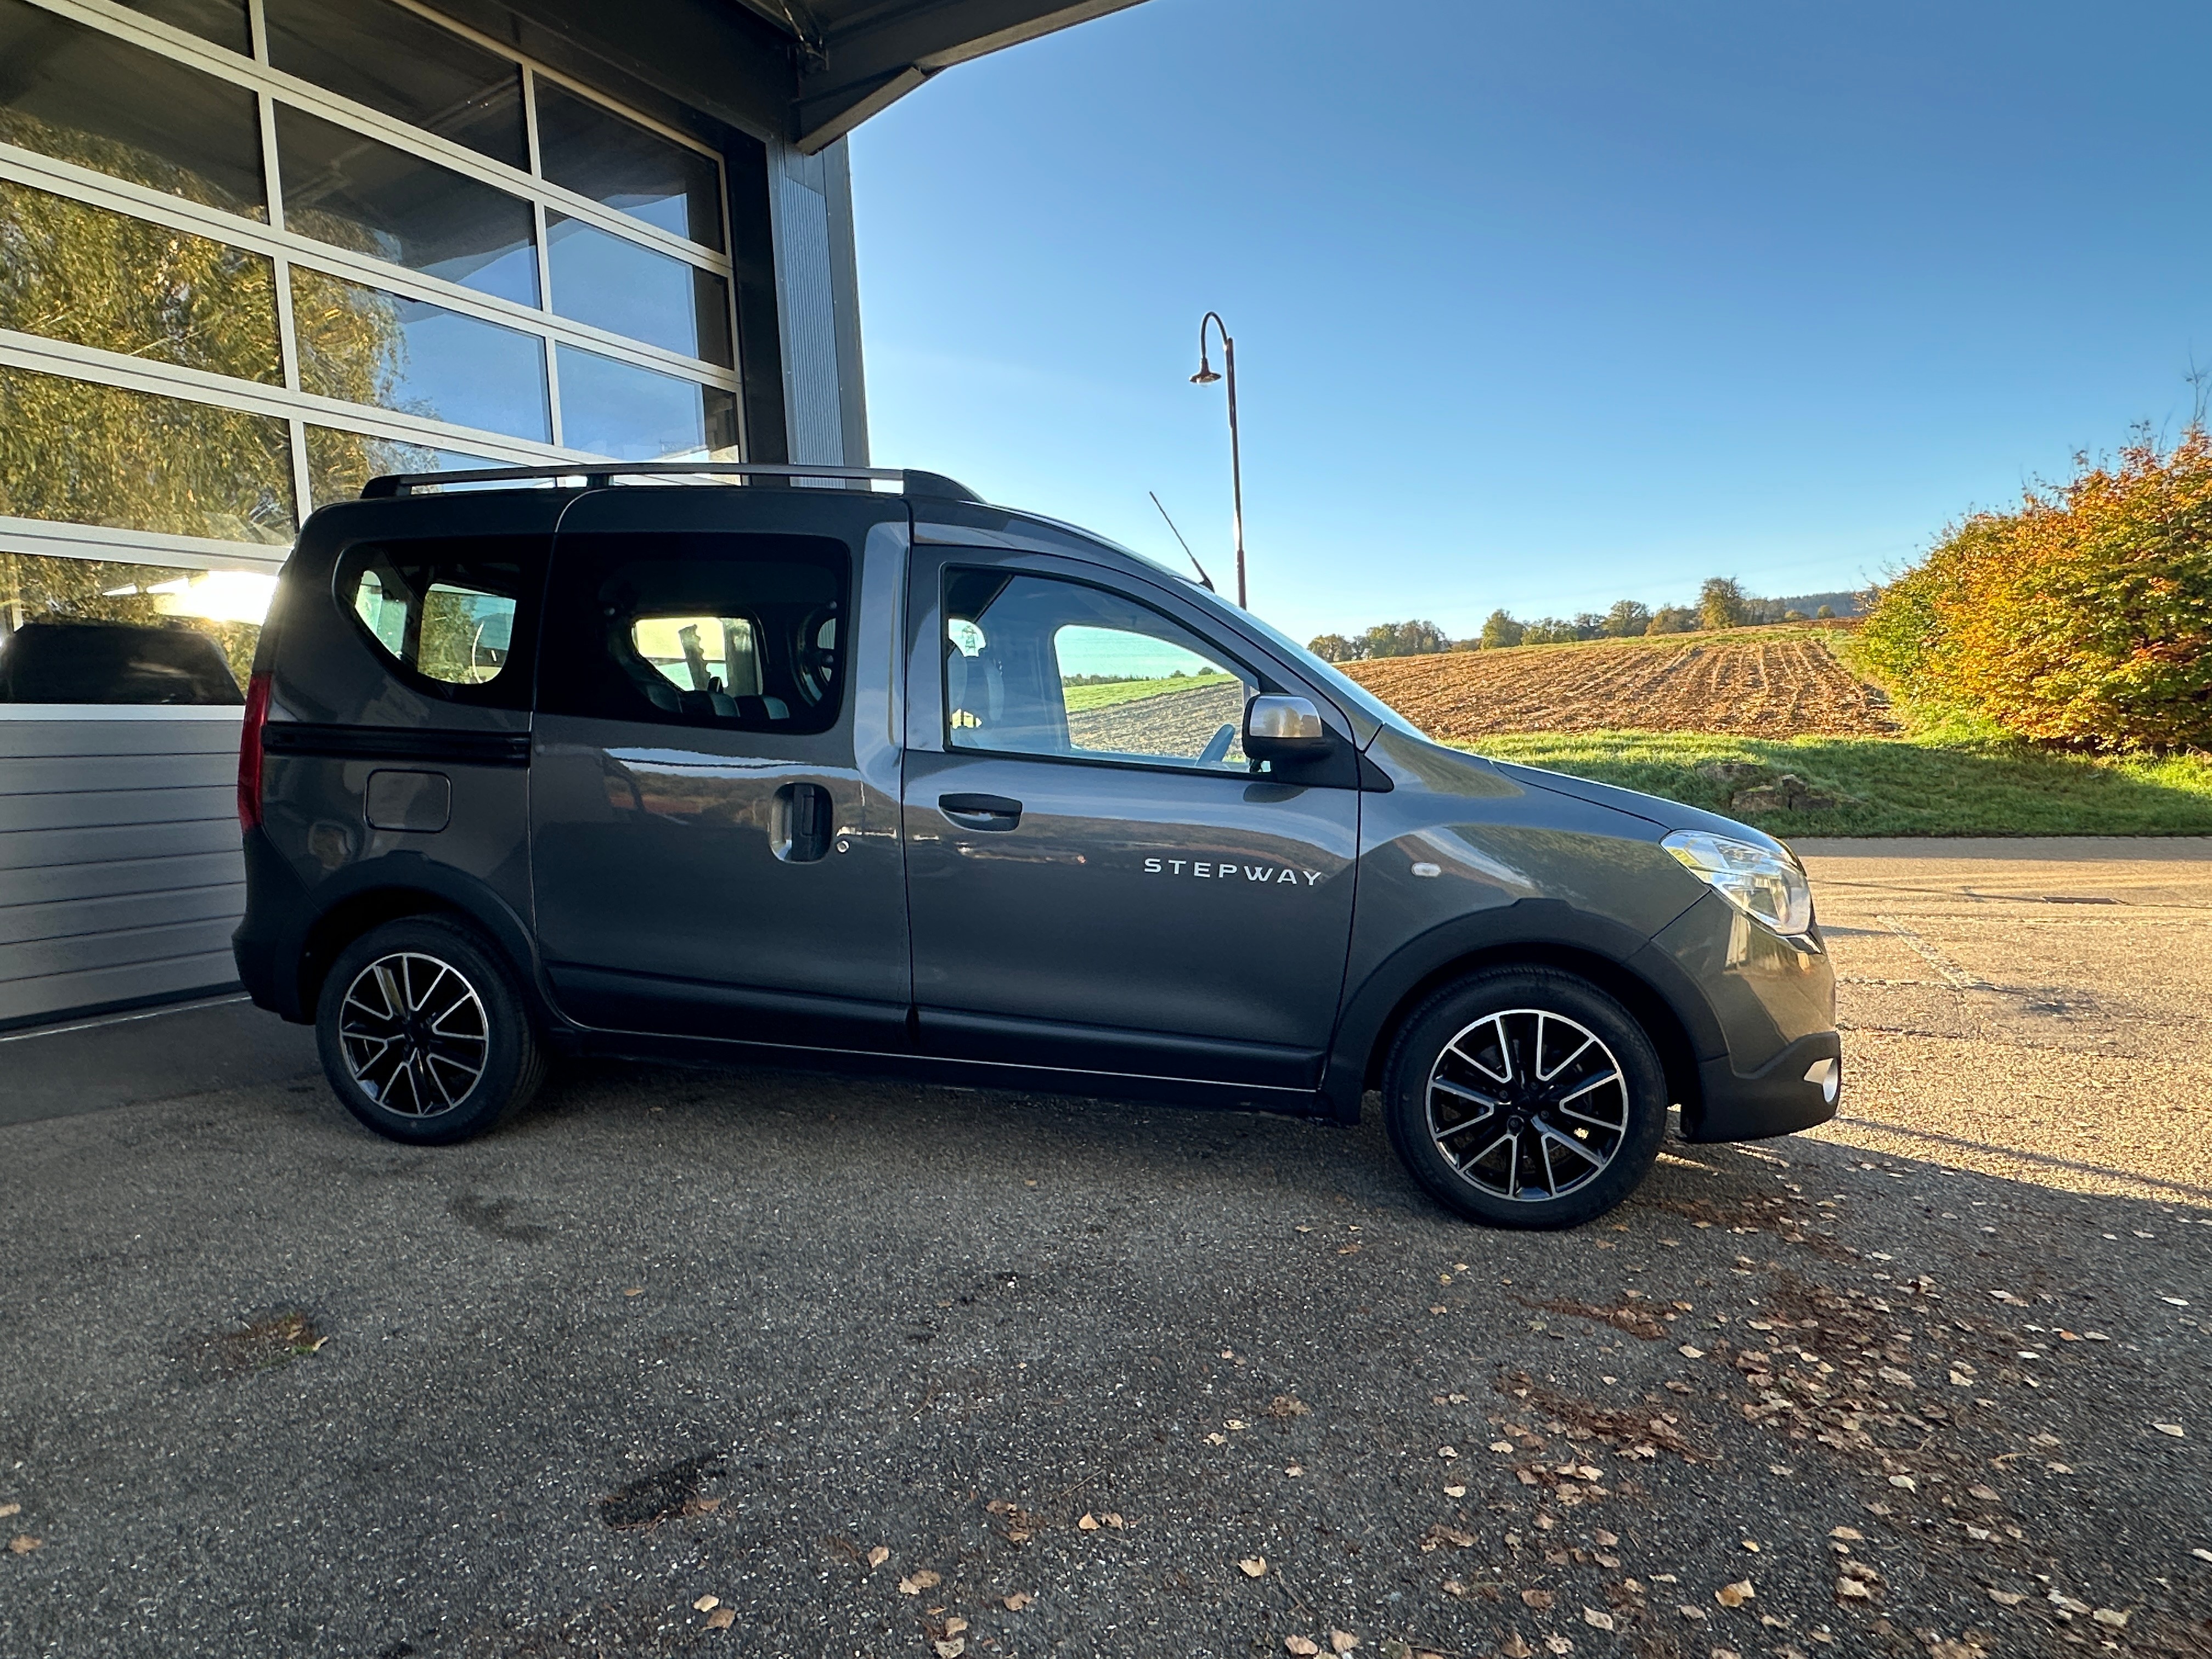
1205	581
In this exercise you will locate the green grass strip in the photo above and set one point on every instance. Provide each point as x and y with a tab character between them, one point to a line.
1892	786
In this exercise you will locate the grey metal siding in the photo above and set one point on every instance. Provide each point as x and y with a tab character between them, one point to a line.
816	417
120	876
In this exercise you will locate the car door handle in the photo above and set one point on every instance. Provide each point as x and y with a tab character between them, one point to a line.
980	812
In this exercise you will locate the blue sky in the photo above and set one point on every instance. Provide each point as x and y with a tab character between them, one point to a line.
1544	304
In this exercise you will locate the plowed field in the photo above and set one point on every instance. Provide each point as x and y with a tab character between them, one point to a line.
1778	685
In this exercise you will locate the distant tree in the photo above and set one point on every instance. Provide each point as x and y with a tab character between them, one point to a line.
1825	613
1549	630
1405	639
1671	619
1333	647
1721	603
1794	615
1627	619
1498	630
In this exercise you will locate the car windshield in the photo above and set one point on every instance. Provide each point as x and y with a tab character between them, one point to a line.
1338	684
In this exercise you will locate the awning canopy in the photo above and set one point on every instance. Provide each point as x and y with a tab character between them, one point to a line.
807	72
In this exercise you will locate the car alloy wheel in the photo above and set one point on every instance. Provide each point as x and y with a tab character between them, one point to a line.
1527	1105
414	1034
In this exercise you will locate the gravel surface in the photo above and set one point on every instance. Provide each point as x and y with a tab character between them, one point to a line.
1097	1378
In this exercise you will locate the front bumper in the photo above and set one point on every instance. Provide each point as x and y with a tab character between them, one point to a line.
1795	1089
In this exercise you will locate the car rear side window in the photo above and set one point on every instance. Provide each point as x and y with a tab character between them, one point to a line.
744	633
450	613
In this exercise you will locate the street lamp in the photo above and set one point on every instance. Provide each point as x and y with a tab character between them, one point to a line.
1206	376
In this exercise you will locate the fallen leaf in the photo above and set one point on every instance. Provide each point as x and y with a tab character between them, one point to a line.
955	1625
707	1604
1238	1424
721	1619
1606	1538
1284	1405
919	1582
2173	1429
22	1544
1304	1646
2202	1555
1853	1589
1689	1352
1342	1641
635	1289
1538	1599
1295	1469
1513	1647
1597	1620
1558	1644
1905	1482
1088	1524
1735	1594
1448	1451
952	1648
1017	1601
1455	1492
1987	1494
7	1510
2006	1598
1255	1566
1689	1612
1501	1445
1217	1438
1849	1534
877	1557
2111	1616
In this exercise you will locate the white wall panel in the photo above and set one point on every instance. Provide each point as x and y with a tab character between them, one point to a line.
120	875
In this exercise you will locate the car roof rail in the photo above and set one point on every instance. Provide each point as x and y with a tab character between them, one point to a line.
598	474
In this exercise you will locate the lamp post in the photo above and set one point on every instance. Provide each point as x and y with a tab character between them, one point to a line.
1206	376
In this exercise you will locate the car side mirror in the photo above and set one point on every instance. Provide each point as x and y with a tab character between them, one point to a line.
1284	729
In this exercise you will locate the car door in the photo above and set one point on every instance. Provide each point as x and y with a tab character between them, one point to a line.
713	779
1097	877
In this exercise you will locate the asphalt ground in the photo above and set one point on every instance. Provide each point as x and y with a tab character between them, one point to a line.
1100	1378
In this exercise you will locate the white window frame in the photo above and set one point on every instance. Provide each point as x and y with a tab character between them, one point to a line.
287	401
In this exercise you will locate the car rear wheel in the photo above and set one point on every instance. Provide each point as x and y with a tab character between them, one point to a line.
1526	1097
423	1034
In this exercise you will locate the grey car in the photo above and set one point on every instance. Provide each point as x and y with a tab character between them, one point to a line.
847	767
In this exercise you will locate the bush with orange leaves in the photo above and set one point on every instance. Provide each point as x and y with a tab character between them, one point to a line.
2084	617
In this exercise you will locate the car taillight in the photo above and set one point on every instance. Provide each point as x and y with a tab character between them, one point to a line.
249	753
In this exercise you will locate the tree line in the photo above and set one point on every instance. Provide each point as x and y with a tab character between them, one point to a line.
2082	617
1721	603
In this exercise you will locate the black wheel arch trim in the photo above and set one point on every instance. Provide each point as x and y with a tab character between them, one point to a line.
282	972
1534	932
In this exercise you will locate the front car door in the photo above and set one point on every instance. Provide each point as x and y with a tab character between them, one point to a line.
1098	878
715	768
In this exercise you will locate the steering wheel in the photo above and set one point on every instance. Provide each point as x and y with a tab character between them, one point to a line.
1218	747
817	663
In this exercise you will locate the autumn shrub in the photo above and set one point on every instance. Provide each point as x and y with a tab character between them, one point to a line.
2082	617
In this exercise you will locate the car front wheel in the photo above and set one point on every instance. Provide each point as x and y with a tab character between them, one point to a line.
423	1034
1526	1097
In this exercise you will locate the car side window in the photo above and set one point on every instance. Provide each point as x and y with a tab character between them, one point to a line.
1040	665
739	632
450	612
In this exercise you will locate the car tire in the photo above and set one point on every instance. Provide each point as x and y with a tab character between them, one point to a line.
424	1035
1525	1097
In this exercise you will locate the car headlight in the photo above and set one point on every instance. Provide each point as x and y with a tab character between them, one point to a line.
1768	887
